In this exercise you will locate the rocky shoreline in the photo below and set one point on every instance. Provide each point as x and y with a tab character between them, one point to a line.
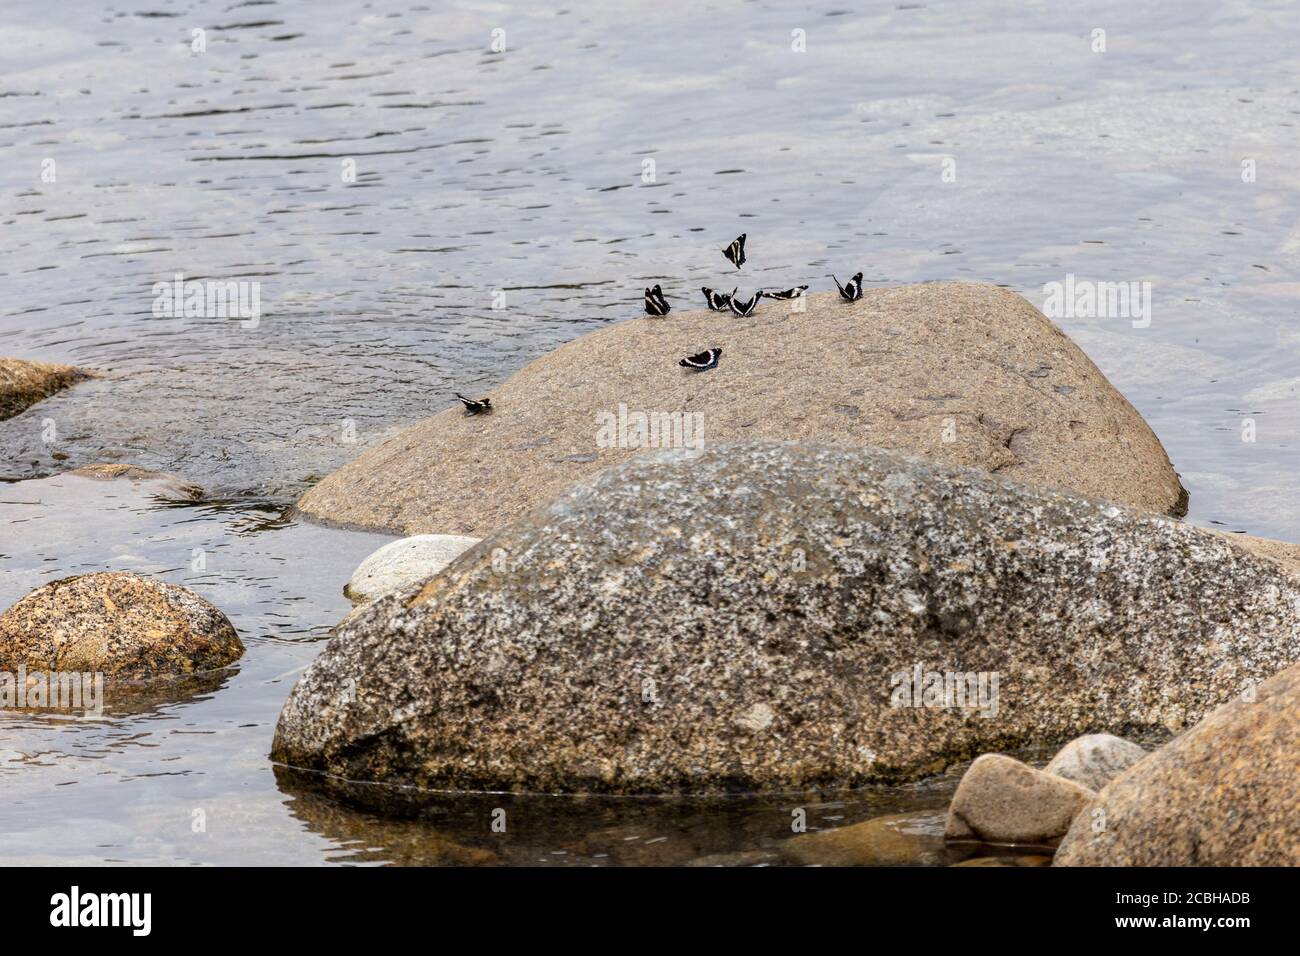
916	530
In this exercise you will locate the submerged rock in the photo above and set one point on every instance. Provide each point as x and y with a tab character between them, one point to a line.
401	563
899	839
24	382
1095	760
161	483
1001	800
1226	793
751	618
962	373
121	624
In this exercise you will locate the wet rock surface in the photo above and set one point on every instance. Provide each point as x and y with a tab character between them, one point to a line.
903	839
746	619
962	373
1226	793
23	383
160	483
124	625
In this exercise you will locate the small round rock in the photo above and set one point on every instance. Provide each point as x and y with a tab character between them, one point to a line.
123	625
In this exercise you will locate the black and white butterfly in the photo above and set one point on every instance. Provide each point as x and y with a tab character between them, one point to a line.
655	303
794	293
735	252
851	290
717	301
703	361
472	407
745	309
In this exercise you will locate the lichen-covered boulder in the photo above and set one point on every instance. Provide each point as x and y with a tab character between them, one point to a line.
1226	793
772	616
962	373
123	625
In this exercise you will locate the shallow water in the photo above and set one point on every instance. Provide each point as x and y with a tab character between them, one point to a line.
522	171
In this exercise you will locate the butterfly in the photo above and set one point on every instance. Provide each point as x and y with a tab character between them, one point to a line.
655	303
851	290
472	407
735	252
717	301
703	361
745	309
787	294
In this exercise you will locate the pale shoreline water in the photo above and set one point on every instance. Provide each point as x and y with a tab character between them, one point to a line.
478	172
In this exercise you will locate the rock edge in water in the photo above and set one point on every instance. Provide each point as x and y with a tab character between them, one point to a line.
24	382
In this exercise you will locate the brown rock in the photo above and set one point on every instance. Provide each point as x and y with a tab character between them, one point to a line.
893	370
1226	793
899	839
24	382
1001	800
118	623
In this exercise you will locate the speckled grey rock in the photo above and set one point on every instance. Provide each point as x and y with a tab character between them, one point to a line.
1226	793
1095	760
401	563
962	373
1001	800
739	620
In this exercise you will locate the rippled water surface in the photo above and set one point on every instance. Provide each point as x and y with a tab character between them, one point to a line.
522	171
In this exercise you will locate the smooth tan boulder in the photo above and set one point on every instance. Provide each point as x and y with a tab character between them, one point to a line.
1001	800
961	373
24	382
1226	793
123	625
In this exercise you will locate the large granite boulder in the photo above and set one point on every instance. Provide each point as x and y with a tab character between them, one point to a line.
757	616
1226	793
961	373
24	382
123	625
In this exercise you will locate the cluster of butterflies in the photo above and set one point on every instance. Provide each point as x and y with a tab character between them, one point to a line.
656	304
